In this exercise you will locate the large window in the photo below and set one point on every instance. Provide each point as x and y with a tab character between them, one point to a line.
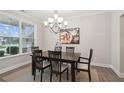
12	34
27	37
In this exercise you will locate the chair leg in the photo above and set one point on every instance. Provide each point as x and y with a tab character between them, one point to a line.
60	78
50	76
67	73
34	73
56	75
76	67
41	76
89	76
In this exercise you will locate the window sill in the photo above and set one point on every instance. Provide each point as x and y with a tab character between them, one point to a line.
11	56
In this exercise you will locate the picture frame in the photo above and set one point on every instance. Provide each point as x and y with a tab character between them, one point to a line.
69	36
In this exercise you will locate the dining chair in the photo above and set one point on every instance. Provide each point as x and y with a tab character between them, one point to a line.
70	49
83	64
56	65
58	48
34	48
39	62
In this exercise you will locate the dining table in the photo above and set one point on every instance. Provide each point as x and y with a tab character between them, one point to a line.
66	57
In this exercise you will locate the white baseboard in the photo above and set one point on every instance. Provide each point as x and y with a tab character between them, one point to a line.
100	64
121	75
13	67
115	70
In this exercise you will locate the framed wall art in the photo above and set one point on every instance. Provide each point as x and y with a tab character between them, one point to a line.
69	36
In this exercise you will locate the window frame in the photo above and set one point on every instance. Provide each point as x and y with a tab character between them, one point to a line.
20	21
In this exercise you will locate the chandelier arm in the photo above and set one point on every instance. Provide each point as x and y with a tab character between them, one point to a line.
58	26
53	30
54	25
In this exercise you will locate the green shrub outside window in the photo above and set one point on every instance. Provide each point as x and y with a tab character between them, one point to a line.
13	50
1	53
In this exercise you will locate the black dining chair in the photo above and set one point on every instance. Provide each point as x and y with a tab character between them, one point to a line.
39	62
34	48
58	48
83	64
56	65
70	49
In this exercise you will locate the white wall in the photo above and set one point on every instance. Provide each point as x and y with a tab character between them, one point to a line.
115	52
39	35
115	42
12	62
122	44
94	33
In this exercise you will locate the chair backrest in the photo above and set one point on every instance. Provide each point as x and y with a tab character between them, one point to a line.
70	49
34	48
37	54
58	48
55	60
91	54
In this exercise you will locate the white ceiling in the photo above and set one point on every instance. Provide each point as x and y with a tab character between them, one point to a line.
44	14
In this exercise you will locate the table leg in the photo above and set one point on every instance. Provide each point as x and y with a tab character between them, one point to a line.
73	72
32	66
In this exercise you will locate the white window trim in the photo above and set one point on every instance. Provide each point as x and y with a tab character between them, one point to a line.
20	41
20	38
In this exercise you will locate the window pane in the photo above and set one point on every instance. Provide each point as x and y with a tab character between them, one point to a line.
28	37
27	30
9	36
27	43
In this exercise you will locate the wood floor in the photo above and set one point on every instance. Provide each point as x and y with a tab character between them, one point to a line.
107	75
23	74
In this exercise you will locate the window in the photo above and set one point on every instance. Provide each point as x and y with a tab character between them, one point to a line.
27	37
11	36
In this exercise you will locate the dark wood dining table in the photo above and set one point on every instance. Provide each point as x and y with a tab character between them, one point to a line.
70	58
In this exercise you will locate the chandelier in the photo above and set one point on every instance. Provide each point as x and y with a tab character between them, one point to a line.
56	23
